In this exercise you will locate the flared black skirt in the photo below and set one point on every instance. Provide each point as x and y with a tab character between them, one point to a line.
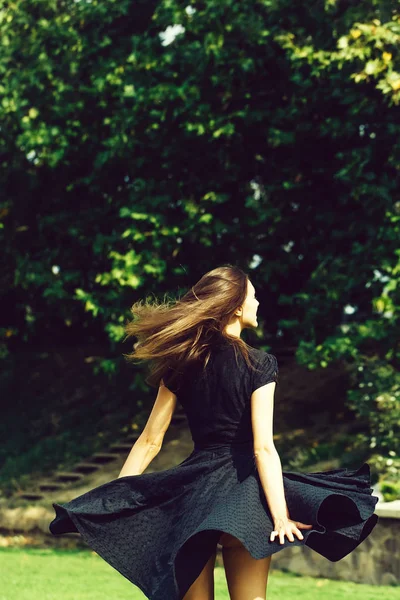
159	529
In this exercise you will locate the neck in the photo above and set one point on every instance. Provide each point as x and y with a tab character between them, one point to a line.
234	329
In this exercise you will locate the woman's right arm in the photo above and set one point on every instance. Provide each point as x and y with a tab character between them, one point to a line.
269	465
266	456
269	469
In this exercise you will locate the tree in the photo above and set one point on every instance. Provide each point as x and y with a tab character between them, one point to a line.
145	142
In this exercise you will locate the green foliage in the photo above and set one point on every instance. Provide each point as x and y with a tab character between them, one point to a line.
390	490
372	351
130	130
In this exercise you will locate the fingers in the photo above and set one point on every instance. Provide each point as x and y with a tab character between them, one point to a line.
289	532
281	533
299	535
275	533
290	535
282	537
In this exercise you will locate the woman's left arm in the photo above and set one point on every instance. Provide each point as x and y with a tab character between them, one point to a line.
139	458
149	443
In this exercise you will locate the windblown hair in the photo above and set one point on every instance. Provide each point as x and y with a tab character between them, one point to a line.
174	334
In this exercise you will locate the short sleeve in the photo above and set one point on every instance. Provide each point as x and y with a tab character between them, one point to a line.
169	385
267	371
171	382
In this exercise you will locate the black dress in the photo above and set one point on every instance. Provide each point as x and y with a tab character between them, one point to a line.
159	529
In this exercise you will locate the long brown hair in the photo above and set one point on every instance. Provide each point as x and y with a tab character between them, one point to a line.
173	334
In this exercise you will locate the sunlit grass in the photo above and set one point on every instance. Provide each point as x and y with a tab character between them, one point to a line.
53	574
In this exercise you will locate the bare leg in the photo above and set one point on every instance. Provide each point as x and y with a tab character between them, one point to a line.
246	576
203	587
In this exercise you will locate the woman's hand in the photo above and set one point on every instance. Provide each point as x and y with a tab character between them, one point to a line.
285	526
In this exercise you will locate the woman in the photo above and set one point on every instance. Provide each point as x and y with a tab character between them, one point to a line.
160	530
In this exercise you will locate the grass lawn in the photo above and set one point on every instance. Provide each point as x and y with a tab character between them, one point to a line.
47	574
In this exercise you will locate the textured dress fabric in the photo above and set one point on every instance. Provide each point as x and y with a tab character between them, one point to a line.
159	529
